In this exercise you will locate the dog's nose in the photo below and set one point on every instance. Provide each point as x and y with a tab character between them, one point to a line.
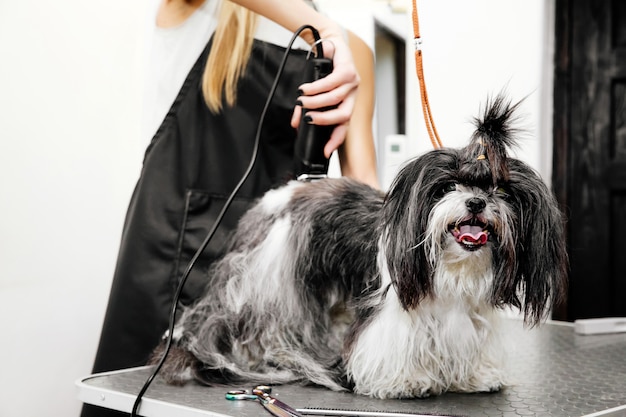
475	205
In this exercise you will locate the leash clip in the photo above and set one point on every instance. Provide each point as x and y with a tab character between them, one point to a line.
417	44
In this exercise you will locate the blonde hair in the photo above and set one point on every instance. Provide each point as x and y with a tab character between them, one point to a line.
230	52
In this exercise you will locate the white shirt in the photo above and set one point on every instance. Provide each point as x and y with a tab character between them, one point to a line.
172	52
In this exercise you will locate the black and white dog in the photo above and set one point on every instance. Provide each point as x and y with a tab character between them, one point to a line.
389	295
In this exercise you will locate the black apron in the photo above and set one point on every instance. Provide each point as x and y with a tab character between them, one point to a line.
194	161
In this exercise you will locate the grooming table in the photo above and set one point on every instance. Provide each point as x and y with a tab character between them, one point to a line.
555	372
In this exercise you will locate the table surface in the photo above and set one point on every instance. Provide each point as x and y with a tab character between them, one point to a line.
554	372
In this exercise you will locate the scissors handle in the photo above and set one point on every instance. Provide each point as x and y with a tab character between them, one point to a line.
273	405
240	395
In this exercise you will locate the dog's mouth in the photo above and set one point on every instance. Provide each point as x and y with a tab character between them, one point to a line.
471	233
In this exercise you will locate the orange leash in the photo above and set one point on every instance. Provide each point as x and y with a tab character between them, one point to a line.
419	67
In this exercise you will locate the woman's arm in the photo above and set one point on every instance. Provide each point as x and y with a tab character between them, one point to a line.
357	155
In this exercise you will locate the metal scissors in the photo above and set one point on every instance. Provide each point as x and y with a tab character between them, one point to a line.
262	393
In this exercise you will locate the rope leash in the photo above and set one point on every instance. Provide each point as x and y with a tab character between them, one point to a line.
419	68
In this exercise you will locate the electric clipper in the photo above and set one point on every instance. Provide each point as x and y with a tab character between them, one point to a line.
309	160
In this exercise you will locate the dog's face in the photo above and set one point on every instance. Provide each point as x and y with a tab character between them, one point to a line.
466	220
475	206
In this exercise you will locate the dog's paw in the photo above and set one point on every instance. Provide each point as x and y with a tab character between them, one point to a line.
489	388
177	369
485	382
423	392
409	390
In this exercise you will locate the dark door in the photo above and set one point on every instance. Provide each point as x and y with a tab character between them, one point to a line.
590	152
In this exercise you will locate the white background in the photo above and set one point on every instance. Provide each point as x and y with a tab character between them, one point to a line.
70	154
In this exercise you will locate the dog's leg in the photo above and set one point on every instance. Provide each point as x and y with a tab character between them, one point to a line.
441	345
391	356
484	352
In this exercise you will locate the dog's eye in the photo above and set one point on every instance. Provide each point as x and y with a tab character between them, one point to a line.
448	188
501	192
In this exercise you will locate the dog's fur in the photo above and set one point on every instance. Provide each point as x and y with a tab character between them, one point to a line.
397	295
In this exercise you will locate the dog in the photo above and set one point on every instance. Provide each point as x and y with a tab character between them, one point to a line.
394	295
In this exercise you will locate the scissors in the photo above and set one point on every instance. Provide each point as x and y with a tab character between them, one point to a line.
262	393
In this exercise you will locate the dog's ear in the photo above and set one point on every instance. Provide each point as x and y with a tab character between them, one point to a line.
538	259
406	213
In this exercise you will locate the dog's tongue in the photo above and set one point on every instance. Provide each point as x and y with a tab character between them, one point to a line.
474	234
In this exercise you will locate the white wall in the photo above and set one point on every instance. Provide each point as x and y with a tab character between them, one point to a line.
70	155
471	50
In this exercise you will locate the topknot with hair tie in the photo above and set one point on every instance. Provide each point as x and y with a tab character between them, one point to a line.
485	156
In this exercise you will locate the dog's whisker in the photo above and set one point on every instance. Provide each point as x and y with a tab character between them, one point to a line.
416	246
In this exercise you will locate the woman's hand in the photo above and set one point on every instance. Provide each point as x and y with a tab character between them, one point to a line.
339	88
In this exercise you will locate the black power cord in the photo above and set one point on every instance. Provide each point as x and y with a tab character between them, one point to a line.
255	151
